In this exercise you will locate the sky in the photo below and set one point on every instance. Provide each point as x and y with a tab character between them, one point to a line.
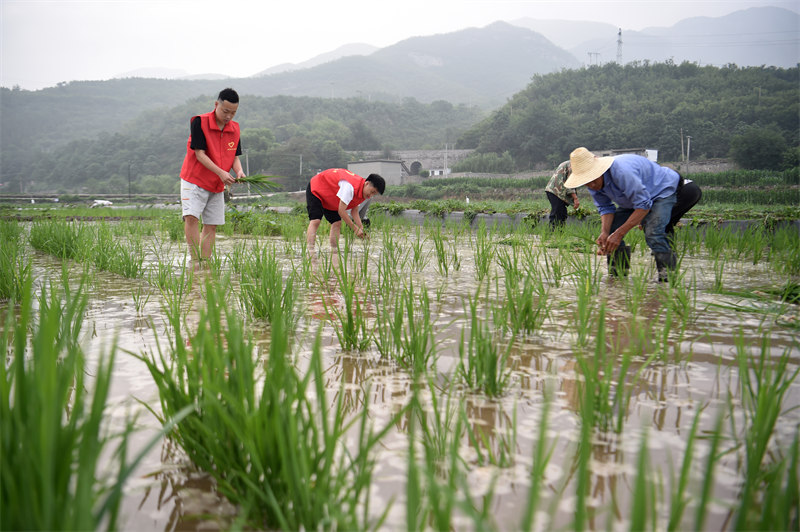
44	42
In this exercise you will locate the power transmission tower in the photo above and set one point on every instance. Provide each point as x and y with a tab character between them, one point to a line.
619	47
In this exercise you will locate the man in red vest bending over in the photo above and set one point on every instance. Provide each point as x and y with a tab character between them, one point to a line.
333	193
211	152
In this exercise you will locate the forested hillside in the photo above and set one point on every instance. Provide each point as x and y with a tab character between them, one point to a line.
642	105
278	134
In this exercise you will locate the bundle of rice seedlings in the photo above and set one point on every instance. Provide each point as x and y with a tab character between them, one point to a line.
261	183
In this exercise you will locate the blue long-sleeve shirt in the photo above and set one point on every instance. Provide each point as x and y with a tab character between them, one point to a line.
633	182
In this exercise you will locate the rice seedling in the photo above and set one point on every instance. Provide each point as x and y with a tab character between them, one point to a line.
784	251
141	296
679	498
270	443
419	257
15	268
584	311
494	446
264	291
406	332
63	240
713	457
54	440
173	225
541	457
482	363
764	385
440	250
643	505
484	252
438	423
174	291
525	306
352	329
109	254
259	183
436	487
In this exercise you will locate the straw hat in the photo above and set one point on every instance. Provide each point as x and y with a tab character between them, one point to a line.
586	167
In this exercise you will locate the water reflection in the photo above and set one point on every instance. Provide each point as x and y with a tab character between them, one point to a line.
690	333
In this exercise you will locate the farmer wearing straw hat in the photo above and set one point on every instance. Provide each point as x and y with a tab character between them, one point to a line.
645	194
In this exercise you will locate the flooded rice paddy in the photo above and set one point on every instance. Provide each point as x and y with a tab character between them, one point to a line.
654	358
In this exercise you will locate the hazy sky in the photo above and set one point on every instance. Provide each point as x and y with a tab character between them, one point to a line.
48	41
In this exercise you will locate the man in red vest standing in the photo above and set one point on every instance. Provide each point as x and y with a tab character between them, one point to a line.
334	193
212	150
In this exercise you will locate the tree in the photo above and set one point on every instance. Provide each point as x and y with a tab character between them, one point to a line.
758	148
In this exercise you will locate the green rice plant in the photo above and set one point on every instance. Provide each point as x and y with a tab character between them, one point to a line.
141	294
67	241
264	291
174	227
499	445
484	252
419	257
525	306
352	329
765	383
174	291
713	457
259	183
541	457
392	261
482	363
436	486
406	333
441	251
719	268
643	505
679	497
438	423
304	270
269	442
605	378
781	499
55	444
110	254
15	268
784	251
584	310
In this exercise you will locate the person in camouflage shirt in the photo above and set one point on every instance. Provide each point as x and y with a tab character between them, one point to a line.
559	195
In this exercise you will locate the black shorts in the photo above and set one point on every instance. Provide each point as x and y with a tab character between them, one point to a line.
315	209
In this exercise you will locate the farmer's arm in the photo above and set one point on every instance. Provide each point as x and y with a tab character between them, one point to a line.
610	242
345	216
224	176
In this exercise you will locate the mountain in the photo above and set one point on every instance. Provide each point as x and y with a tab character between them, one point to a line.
751	37
476	66
343	51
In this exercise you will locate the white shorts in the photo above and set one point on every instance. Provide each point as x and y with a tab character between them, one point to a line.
200	203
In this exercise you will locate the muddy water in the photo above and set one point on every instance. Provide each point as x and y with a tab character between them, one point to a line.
697	373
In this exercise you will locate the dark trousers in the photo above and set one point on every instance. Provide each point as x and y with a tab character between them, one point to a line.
558	210
688	196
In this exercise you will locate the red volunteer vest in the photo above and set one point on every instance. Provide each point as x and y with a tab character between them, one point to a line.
325	186
220	147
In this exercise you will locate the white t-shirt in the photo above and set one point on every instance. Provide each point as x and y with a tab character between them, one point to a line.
346	192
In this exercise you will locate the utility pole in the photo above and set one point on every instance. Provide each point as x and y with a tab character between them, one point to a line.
688	151
129	181
594	56
619	47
